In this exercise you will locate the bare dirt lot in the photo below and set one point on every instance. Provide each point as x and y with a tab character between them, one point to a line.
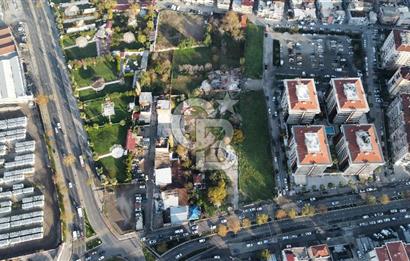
175	27
42	181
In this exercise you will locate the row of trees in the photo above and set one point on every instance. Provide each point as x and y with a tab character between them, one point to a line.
234	225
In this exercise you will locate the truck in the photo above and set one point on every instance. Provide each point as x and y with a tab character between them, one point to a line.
80	212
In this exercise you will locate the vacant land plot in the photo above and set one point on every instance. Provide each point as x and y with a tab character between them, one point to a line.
253	51
105	69
175	27
114	168
76	53
256	181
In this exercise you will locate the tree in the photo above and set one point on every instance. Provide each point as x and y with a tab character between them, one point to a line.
292	213
133	10
218	193
322	187
182	151
162	247
262	219
308	210
81	42
371	200
330	185
231	24
128	37
265	254
141	38
384	199
69	160
238	136
280	214
246	222
41	100
234	224
222	230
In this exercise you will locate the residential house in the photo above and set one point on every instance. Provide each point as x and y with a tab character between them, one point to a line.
319	253
164	118
295	254
300	101
271	10
395	51
346	101
302	9
308	152
243	6
358	150
179	215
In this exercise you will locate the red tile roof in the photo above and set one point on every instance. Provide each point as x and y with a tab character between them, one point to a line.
6	41
131	141
393	251
297	104
382	253
343	101
322	156
320	251
374	155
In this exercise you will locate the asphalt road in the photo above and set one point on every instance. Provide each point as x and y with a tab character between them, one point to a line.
52	80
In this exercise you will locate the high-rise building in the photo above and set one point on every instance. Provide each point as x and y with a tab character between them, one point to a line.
395	51
299	101
398	114
309	152
346	101
400	81
358	149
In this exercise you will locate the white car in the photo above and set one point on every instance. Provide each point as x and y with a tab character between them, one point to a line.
179	231
259	243
101	258
249	245
223	221
202	240
178	256
217	257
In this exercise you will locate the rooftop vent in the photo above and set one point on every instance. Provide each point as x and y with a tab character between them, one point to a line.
312	142
350	91
363	141
302	92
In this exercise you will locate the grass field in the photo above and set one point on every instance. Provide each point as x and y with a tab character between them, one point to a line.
105	69
76	53
256	181
115	168
93	108
91	94
104	137
253	51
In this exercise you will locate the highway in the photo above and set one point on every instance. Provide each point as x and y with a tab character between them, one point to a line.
52	79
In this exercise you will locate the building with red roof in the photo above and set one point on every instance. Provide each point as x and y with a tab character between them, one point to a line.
391	251
358	149
299	101
308	152
346	101
319	253
395	51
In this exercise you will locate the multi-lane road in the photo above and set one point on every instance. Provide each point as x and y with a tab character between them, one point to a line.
51	79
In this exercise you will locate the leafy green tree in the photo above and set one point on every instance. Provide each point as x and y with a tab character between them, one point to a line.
265	254
217	194
262	219
308	210
292	213
384	199
371	200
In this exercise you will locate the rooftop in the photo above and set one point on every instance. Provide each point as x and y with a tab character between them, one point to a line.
405	72
362	143
6	41
402	40
319	251
302	95
393	251
350	94
311	145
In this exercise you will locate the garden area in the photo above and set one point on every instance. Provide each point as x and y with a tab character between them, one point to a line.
254	51
256	178
75	53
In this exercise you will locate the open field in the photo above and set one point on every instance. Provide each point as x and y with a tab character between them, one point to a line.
114	168
256	181
104	137
76	53
93	108
85	77
90	94
253	51
175	27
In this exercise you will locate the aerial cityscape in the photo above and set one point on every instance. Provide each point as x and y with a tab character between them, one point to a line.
205	130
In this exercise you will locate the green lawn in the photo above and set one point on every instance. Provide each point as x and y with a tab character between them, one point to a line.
93	108
105	69
256	181
114	168
93	243
76	53
104	137
89	231
253	51
90	94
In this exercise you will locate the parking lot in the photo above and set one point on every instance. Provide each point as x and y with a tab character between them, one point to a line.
315	55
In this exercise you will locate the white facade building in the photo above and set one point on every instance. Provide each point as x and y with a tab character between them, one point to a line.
395	51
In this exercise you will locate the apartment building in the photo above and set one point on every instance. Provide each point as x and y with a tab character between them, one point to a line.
395	51
391	251
308	152
303	9
299	101
271	10
358	149
400	81
398	114
346	101
242	6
